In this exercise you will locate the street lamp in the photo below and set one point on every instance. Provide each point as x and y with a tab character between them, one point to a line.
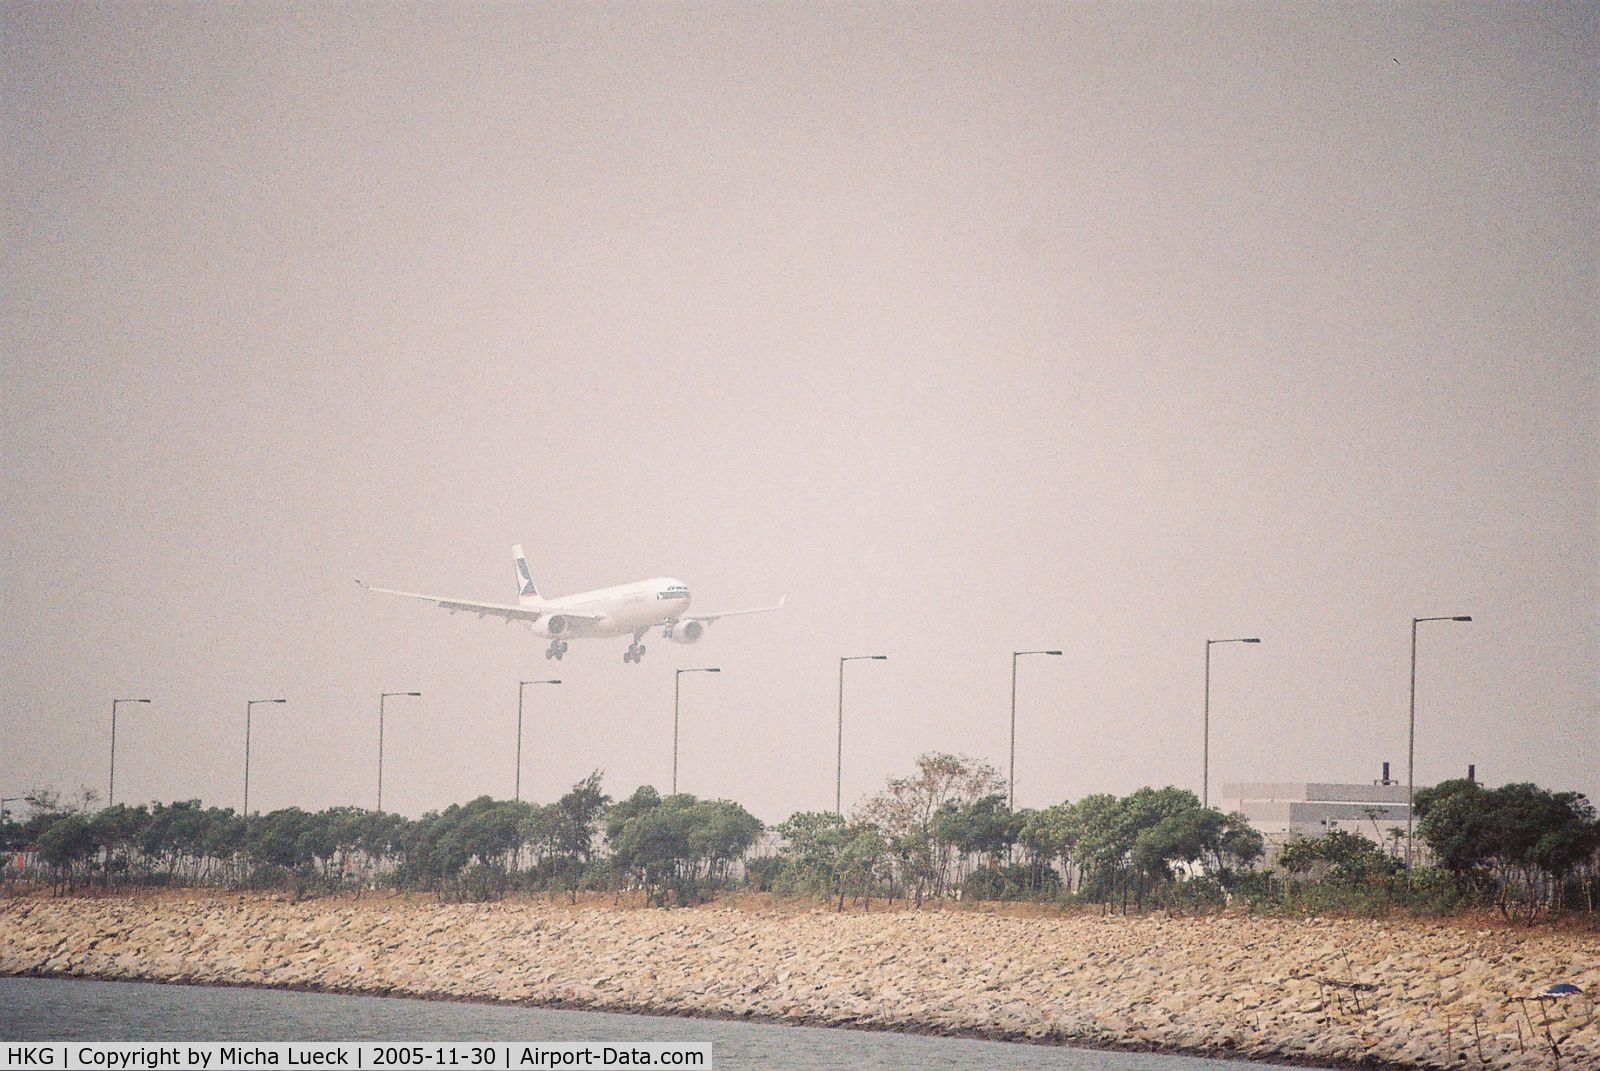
677	676
111	789
520	686
1011	804
249	704
838	759
1411	730
1205	748
381	700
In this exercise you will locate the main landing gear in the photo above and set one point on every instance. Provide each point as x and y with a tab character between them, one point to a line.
636	652
556	649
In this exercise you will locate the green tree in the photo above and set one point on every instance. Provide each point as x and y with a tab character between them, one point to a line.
652	845
644	798
170	832
222	836
1052	834
10	838
679	846
483	833
720	833
579	813
812	844
384	837
568	828
1456	820
861	859
116	831
1299	856
1519	842
1178	839
433	854
1352	858
66	844
984	827
1241	844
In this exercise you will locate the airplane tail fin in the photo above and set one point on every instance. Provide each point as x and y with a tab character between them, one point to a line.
527	590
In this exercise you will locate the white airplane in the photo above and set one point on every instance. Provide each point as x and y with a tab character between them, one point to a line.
629	608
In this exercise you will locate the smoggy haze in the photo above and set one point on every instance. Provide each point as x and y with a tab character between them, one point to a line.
968	327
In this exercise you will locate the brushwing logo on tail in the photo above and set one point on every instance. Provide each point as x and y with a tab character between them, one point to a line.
527	590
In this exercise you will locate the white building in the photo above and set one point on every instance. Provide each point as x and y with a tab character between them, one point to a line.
1279	811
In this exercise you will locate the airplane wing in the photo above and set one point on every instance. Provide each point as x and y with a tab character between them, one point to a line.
708	618
482	609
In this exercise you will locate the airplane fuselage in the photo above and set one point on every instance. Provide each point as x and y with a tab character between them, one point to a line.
623	609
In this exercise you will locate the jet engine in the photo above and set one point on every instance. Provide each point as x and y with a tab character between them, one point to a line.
687	632
552	626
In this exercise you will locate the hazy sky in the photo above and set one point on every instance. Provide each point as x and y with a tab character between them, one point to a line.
969	327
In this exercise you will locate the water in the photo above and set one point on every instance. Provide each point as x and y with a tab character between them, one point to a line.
48	1009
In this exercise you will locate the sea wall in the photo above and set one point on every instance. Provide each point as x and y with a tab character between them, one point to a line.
1426	995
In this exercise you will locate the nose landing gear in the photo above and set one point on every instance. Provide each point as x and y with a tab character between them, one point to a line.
556	649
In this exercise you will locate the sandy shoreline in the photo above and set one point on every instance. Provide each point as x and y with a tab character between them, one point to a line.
1265	989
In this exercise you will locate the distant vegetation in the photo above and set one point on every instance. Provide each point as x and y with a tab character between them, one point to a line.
944	832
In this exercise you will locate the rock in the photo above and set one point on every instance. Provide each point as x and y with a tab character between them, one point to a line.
1260	987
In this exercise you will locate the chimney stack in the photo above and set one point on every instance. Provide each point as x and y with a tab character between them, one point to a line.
1385	774
1472	773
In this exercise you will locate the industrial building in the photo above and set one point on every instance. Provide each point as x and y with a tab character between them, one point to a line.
1280	811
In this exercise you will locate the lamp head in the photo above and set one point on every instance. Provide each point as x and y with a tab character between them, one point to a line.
1253	639
1464	617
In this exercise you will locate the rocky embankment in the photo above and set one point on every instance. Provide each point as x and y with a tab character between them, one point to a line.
1322	991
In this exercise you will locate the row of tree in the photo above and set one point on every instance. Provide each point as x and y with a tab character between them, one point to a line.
1518	846
943	831
947	829
674	846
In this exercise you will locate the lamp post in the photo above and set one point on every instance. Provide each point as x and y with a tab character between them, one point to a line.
1411	727
677	677
111	788
1205	747
838	759
381	700
1011	800
520	686
249	704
